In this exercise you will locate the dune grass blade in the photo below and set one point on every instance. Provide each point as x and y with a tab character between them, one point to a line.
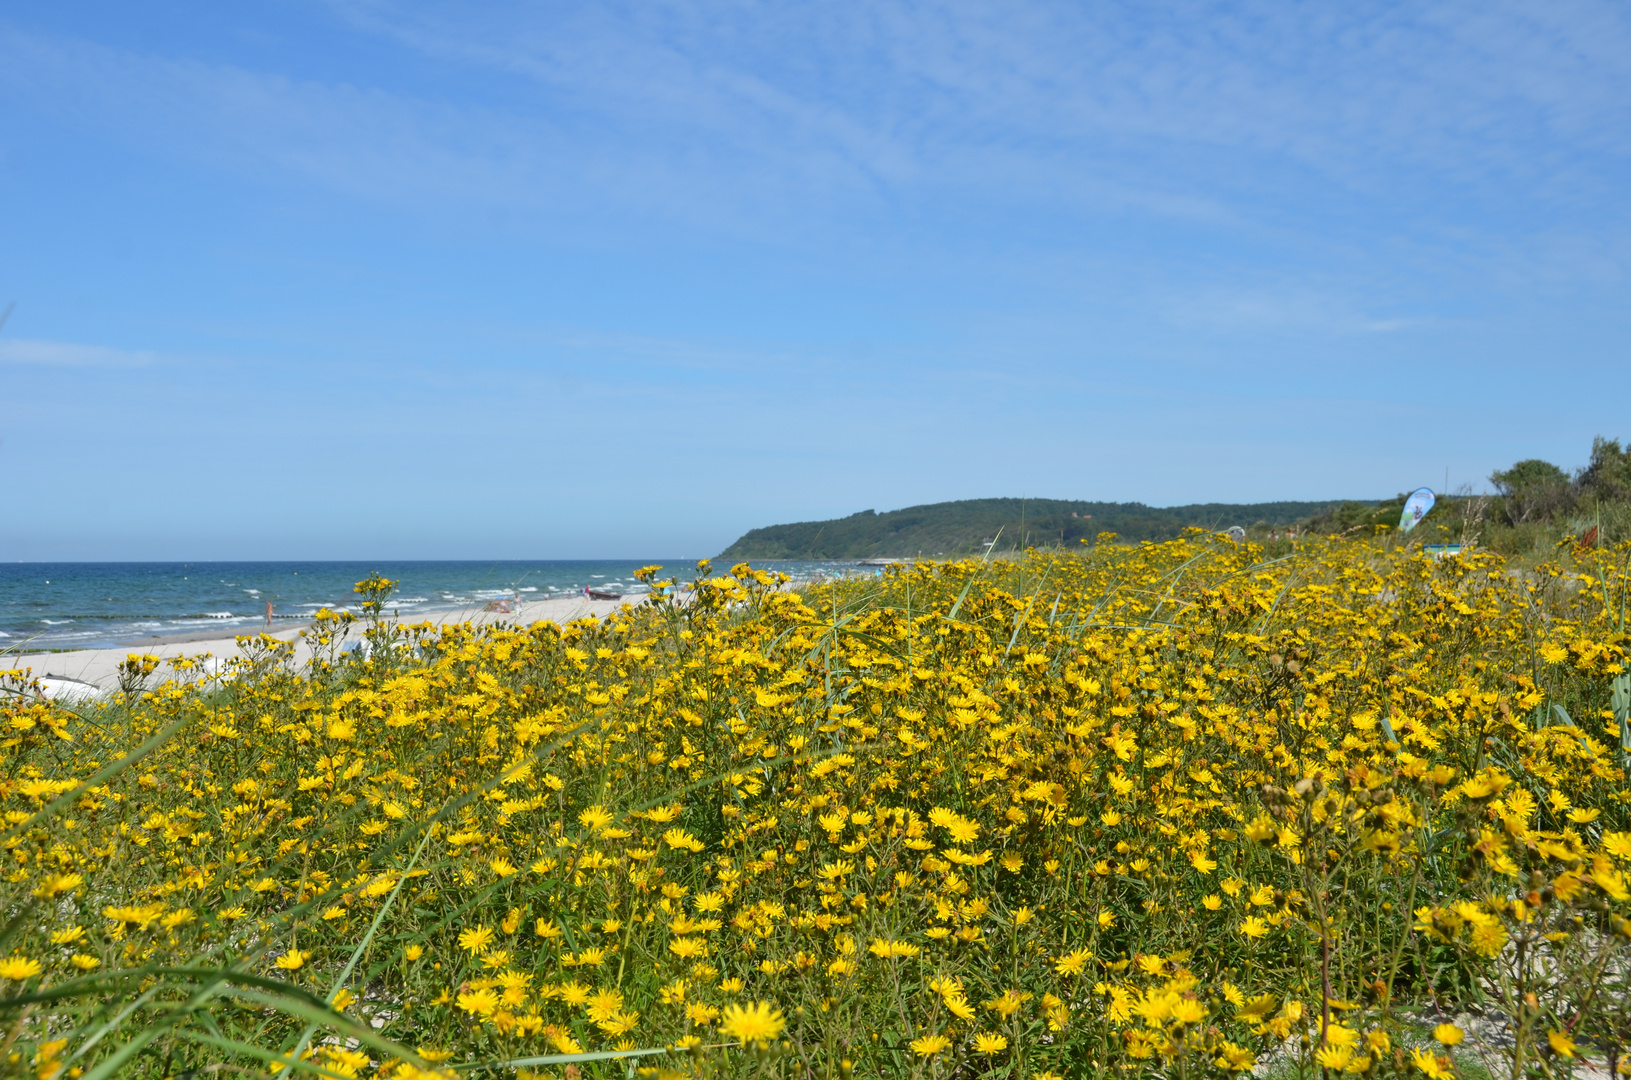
250	1050
114	1062
324	1017
951	616
562	1059
362	946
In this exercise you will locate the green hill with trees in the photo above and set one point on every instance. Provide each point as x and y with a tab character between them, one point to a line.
1535	506
966	526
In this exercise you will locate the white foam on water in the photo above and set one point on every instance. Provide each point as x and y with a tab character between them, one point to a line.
70	635
529	588
409	600
56	622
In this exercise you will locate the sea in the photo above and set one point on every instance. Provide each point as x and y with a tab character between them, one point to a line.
82	605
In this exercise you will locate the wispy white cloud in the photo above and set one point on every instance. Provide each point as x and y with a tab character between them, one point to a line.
1286	309
786	120
68	354
897	90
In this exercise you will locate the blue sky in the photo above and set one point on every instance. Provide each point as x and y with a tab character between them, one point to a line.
375	279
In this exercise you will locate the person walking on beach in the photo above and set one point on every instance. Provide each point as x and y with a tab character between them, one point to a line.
268	614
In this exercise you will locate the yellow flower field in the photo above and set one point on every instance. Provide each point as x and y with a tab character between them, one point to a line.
1169	809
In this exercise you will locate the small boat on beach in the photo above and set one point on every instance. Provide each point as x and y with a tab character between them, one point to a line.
601	594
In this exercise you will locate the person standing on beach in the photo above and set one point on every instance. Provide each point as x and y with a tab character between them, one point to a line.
268	613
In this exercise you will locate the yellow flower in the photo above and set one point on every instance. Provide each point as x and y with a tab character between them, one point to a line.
887	949
1073	963
84	962
414	952
687	948
1561	1044
57	884
1262	829
1488	939
292	960
18	968
756	1023
679	839
603	1003
1234	1058
1449	1034
1434	1066
1006	1005
988	1043
479	1002
475	940
1334	1057
1188	1011
929	1045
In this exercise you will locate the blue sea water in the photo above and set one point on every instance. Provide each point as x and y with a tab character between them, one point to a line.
99	605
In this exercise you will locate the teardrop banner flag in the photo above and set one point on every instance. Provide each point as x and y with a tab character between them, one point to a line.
1415	508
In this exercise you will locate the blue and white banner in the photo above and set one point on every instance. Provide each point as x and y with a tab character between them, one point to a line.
1415	508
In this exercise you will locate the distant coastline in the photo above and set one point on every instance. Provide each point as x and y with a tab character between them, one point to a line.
969	526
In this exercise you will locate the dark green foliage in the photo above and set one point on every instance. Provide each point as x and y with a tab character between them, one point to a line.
1608	477
960	528
1356	516
1533	490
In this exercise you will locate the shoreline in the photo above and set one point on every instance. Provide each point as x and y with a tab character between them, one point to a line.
256	625
82	672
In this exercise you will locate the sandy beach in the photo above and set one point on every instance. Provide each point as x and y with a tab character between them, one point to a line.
70	673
